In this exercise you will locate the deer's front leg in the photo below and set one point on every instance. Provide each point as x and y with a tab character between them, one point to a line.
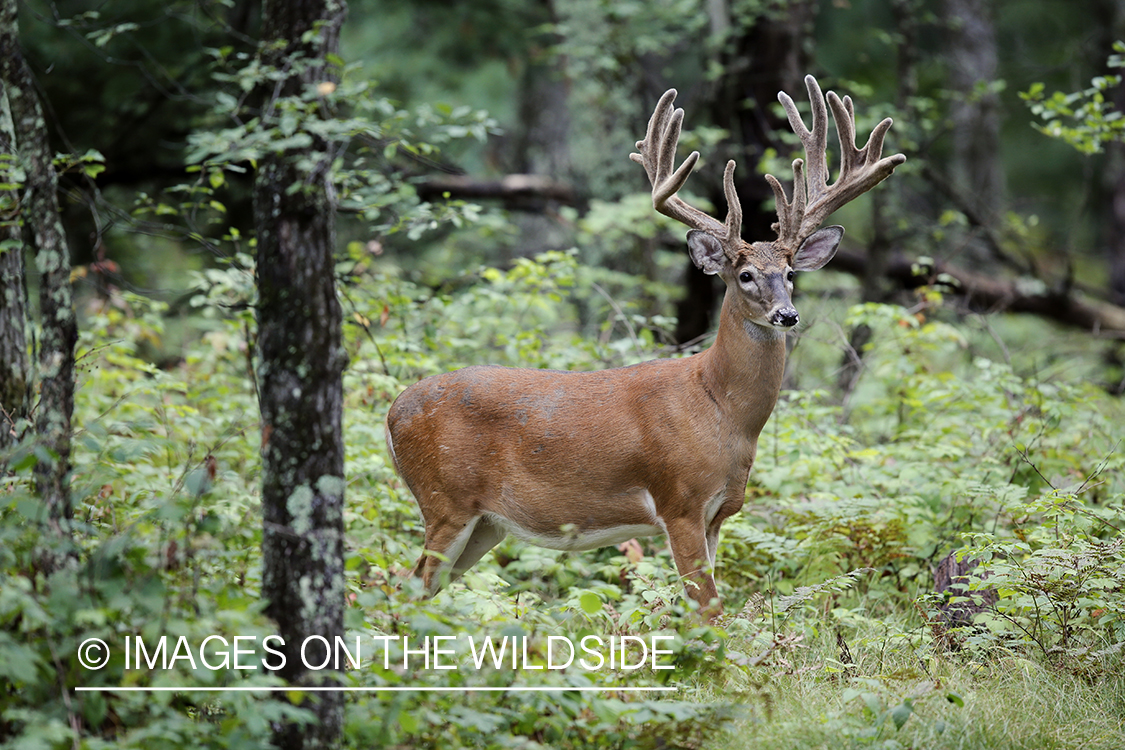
688	539
730	506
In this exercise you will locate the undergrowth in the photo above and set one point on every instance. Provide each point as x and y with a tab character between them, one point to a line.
834	635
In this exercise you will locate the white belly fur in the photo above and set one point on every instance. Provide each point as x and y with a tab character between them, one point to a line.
583	539
576	540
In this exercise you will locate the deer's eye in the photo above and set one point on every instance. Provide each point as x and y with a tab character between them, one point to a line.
790	275
745	277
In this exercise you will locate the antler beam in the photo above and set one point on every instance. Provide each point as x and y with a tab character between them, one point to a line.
658	157
860	168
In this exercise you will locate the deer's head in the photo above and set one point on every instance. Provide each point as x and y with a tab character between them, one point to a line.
759	275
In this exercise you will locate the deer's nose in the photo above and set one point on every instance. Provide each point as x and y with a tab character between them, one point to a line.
786	317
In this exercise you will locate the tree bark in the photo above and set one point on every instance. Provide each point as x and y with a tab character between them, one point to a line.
43	231
1114	179
1115	239
300	371
976	168
884	203
541	144
15	365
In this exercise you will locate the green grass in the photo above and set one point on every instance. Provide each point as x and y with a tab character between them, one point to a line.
955	701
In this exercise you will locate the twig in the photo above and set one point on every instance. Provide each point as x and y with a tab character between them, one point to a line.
621	315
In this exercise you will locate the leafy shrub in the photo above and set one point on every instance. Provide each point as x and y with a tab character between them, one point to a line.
167	537
1060	578
848	507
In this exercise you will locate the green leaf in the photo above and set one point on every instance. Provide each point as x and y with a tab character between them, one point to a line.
17	662
408	721
93	708
901	712
27	461
590	602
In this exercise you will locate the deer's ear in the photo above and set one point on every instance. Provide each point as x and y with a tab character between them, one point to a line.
818	248
706	251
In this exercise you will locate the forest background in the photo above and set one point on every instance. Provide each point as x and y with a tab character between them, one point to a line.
955	387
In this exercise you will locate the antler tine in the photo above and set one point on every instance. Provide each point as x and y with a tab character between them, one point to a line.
734	206
671	180
658	156
656	125
789	212
815	141
843	112
860	169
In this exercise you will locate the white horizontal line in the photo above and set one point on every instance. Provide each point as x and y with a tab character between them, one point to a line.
512	689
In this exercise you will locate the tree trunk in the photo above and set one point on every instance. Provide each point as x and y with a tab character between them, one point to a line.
535	193
976	169
15	367
541	145
44	232
764	57
1115	239
1114	181
873	286
300	371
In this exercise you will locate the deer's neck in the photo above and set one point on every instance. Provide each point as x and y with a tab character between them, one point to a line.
743	370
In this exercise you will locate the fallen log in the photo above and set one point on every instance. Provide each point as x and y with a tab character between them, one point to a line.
518	191
985	293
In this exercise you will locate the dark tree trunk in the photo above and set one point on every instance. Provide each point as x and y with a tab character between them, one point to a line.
761	59
976	169
1116	231
907	15
44	232
15	366
300	370
541	145
1113	19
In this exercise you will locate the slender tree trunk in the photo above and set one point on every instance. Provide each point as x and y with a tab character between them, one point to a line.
1113	18
542	145
976	169
1115	240
15	366
300	370
44	232
874	288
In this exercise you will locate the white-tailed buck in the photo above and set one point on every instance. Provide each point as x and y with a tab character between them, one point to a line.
578	460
